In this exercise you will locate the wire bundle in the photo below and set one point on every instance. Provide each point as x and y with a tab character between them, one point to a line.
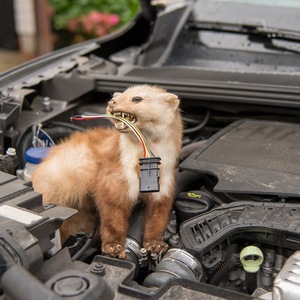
135	130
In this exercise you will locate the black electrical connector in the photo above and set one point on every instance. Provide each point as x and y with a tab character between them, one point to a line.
149	174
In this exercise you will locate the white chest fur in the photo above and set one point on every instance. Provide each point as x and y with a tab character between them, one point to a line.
167	168
130	154
132	151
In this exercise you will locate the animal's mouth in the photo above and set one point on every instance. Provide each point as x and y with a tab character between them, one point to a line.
120	125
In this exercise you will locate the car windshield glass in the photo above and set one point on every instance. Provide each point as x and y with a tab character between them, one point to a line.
247	36
275	14
286	3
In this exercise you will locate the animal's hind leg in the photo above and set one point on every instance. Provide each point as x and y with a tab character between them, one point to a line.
157	217
81	222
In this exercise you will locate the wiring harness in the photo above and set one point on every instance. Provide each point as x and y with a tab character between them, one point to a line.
149	170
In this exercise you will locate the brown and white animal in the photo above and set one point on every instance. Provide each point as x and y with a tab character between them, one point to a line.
97	171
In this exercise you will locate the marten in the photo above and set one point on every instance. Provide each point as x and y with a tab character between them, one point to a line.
97	171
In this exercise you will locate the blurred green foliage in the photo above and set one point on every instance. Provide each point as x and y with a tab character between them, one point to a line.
65	10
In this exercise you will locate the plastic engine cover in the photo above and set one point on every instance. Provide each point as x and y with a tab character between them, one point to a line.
251	156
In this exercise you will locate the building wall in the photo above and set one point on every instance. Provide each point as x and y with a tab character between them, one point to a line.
8	36
25	26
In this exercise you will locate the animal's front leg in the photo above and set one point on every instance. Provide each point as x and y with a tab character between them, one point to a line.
114	217
157	217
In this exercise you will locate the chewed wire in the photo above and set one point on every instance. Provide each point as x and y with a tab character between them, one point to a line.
135	130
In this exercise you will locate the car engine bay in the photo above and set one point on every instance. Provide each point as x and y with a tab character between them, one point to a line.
236	191
234	230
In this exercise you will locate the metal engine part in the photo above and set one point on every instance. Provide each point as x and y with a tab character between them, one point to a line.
203	236
286	285
27	227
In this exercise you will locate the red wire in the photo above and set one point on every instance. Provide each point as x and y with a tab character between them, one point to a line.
79	118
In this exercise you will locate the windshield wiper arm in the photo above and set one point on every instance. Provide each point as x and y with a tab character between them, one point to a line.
246	28
255	31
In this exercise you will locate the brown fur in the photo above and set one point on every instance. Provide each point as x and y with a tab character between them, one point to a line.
97	171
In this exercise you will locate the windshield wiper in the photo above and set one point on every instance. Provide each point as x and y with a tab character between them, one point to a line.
256	32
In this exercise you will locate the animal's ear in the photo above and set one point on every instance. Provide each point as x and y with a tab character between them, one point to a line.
172	100
116	94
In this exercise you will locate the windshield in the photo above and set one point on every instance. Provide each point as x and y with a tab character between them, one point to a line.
226	41
278	14
286	3
208	33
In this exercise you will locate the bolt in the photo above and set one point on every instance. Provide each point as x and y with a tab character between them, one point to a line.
98	269
143	260
174	239
11	151
46	104
172	226
143	251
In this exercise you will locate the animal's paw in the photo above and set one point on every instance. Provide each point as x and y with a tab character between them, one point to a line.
114	250
156	246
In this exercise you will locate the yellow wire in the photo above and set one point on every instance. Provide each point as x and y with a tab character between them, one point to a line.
135	130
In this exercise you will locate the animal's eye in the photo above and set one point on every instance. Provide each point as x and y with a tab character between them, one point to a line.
137	99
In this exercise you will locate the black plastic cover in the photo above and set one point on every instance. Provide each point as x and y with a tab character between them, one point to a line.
251	156
271	223
26	226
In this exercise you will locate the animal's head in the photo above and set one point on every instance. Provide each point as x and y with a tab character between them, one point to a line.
147	107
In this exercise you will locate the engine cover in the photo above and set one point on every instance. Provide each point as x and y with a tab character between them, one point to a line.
253	157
